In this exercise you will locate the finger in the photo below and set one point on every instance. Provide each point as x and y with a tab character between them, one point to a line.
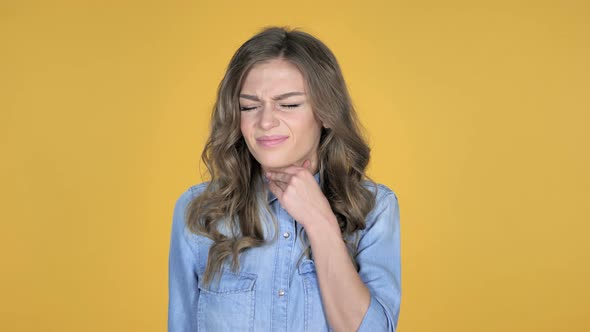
293	169
288	171
282	185
278	176
307	164
275	189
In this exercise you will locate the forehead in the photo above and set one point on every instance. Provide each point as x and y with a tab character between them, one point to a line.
273	77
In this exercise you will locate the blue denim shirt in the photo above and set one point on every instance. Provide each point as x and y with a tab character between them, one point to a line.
271	292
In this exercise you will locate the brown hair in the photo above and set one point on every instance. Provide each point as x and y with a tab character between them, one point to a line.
234	197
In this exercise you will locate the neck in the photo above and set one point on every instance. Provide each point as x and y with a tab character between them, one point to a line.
313	168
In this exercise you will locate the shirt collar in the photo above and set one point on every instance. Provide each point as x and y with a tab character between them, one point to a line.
271	197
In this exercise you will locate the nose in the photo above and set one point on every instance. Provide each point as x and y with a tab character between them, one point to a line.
267	118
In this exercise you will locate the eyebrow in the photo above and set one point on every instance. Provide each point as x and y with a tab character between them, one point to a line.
279	97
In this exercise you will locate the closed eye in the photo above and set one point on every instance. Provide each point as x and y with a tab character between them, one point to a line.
250	108
244	108
291	105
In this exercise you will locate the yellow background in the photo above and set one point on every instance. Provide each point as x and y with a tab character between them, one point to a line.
477	112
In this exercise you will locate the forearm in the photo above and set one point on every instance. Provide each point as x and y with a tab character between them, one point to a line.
344	295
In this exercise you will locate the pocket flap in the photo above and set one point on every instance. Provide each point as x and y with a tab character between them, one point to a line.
306	266
230	282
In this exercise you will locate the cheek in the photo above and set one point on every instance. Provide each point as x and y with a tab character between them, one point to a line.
244	127
309	136
312	128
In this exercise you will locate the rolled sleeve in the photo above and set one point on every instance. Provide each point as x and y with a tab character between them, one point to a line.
183	293
376	318
380	263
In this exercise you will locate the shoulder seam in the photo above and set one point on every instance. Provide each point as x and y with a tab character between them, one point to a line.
197	188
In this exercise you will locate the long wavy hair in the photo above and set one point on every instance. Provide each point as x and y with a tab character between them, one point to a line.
229	210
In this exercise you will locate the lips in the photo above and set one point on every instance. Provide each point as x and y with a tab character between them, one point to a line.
272	140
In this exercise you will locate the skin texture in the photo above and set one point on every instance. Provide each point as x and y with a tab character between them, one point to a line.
290	166
268	117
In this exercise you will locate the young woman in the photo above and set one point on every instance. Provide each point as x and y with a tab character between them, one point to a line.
289	234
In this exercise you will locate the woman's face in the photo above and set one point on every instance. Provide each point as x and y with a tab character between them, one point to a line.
277	121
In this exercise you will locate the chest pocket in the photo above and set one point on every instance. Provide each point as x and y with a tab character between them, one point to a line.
227	304
314	310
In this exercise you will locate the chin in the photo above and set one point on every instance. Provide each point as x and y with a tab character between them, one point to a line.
269	163
275	165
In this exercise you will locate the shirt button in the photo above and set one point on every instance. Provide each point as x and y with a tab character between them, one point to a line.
286	235
281	292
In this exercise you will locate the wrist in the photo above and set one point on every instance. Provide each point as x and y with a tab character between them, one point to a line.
322	227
